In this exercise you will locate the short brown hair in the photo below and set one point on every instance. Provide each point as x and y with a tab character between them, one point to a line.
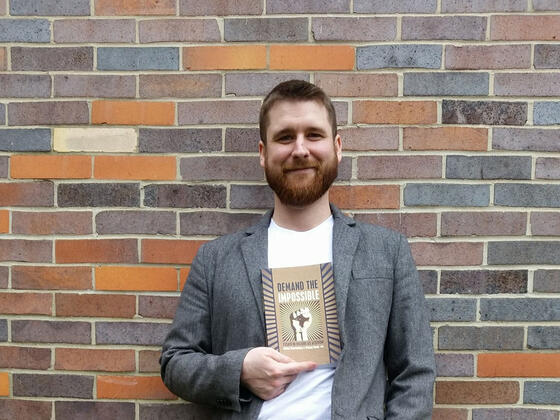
295	90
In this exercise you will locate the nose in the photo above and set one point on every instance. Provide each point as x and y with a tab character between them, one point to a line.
300	147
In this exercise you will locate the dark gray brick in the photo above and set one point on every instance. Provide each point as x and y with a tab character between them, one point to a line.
96	86
25	86
513	414
397	56
48	112
139	222
546	281
447	309
99	195
251	197
546	113
488	167
3	330
401	6
189	411
443	84
480	338
428	278
544	140
482	112
527	195
52	58
266	29
543	338
444	27
137	333
307	6
524	252
210	168
546	5
188	196
25	140
341	111
526	84
49	8
475	282
547	56
157	306
454	364
446	195
541	392
481	6
91	410
257	84
218	112
220	7
3	173
354	29
520	309
215	222
33	331
179	140
242	139
25	30
138	58
70	386
2	114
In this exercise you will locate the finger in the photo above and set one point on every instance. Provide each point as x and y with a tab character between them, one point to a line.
280	358
294	368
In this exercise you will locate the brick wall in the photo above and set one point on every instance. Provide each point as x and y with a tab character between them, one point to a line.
128	138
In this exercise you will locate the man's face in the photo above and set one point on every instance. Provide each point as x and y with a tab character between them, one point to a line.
300	157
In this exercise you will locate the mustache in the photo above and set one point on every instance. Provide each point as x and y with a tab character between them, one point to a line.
302	165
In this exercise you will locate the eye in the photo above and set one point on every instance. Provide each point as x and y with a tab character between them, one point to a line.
315	135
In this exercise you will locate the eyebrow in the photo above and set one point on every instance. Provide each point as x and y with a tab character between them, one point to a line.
291	130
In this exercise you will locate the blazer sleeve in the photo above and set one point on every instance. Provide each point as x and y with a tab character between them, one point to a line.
188	367
409	354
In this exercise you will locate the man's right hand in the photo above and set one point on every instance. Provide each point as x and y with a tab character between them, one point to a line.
267	373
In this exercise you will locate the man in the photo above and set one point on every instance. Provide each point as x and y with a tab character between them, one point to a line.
216	354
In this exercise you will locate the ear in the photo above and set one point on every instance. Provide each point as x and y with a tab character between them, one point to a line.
262	153
338	147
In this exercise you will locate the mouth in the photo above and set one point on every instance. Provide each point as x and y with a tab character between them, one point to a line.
300	169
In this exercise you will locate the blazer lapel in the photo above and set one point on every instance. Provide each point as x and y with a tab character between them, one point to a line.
345	242
255	255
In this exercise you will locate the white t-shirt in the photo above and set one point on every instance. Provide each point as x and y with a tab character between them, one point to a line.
308	397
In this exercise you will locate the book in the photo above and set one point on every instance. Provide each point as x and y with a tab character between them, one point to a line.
300	313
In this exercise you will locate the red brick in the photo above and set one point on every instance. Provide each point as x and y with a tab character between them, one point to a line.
52	58
483	223
450	414
133	387
369	138
399	167
180	85
445	138
366	196
35	331
148	360
95	305
179	30
26	303
538	365
222	57
157	306
401	112
25	358
25	250
477	392
545	223
51	278
410	224
45	113
52	223
3	59
311	57
132	113
94	30
96	250
165	251
4	221
447	253
137	278
135	7
22	409
50	166
474	57
28	194
94	360
520	28
340	84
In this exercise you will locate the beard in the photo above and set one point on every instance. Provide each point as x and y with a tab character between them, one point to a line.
294	190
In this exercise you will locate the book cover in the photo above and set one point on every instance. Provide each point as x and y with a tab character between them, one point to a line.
300	312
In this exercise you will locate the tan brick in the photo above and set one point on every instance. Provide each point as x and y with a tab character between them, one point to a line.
135	7
474	57
312	57
3	59
92	139
477	392
520	28
445	138
238	57
339	84
450	414
401	112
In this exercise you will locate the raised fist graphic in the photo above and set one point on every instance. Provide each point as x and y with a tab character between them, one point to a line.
301	320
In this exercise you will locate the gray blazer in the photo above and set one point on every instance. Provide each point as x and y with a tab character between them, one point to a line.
386	370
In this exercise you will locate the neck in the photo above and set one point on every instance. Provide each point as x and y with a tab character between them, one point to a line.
301	218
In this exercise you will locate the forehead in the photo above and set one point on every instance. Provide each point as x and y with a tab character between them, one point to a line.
286	113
